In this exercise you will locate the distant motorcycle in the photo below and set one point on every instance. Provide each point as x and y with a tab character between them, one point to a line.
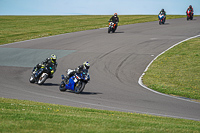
112	27
161	19
41	75
75	83
189	15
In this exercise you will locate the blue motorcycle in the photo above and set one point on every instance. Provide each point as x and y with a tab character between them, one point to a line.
161	18
75	83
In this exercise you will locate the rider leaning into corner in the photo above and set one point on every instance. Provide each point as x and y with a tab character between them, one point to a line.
190	8
50	62
82	68
163	12
114	19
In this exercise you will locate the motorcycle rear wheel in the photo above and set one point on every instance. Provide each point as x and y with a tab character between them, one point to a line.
79	87
42	79
113	31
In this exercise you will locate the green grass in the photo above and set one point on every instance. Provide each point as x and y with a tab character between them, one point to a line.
176	72
27	116
20	28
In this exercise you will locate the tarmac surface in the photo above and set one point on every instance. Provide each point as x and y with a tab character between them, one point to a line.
117	61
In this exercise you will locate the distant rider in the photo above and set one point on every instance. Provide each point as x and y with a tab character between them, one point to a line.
80	69
49	62
114	19
164	13
190	8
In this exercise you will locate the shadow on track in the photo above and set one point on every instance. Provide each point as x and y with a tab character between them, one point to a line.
83	93
50	84
166	24
90	93
120	32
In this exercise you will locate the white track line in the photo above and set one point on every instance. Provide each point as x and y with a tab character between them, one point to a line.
140	79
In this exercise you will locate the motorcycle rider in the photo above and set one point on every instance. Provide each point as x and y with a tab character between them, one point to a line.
190	8
163	12
115	20
49	62
82	68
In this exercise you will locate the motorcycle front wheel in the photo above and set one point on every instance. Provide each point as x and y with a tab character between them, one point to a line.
159	22
32	79
109	30
62	86
79	87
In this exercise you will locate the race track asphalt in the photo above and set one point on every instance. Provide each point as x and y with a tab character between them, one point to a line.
117	61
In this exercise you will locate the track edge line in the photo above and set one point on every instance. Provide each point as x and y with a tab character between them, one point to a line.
140	79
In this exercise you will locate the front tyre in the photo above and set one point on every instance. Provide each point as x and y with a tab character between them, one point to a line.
79	87
62	86
32	79
109	30
42	78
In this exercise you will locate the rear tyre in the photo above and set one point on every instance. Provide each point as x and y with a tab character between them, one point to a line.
42	79
113	31
79	87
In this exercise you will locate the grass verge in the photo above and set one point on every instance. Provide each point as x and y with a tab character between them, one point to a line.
176	71
20	28
27	116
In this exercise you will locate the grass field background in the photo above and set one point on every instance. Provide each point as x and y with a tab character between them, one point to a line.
175	72
20	28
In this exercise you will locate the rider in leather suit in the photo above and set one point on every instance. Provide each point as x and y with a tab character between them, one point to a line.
190	8
50	62
163	12
79	69
114	19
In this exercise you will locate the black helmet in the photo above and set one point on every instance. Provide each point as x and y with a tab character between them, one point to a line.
162	10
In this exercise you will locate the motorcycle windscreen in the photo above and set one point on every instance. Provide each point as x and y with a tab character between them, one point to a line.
160	16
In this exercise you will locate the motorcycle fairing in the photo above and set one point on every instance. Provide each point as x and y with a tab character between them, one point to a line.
71	84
